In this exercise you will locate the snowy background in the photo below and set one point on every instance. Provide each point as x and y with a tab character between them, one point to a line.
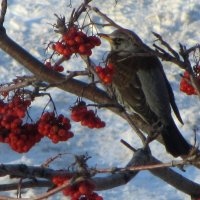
30	24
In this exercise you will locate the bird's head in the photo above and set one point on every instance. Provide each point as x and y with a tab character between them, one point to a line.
123	41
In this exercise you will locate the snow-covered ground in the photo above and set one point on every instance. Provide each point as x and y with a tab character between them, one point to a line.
30	24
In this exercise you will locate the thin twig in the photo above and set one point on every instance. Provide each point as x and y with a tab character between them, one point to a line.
145	167
128	145
50	160
96	10
192	49
24	81
71	75
184	64
134	126
58	189
164	43
3	11
60	61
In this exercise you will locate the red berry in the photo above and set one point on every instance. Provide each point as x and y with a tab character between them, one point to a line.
89	46
67	52
75	118
66	37
107	79
56	128
94	40
185	85
82	35
74	49
98	69
82	49
71	42
110	66
88	53
85	188
79	40
58	47
59	68
72	30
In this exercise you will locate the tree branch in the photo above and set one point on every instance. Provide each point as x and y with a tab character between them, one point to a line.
139	161
178	181
3	11
27	184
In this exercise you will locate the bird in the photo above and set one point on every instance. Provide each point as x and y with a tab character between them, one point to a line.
141	86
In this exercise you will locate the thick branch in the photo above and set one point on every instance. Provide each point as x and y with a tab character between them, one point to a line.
176	180
27	184
118	178
24	171
36	67
115	180
3	11
166	174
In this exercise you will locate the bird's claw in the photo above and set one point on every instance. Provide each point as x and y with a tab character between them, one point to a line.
157	127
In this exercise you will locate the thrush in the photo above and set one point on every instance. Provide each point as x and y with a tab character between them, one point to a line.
141	86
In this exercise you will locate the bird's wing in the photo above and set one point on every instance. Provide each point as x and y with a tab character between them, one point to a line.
142	86
128	90
172	99
153	85
160	89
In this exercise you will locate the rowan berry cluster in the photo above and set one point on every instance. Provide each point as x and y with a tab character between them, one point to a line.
83	190
23	140
55	128
80	113
106	73
75	41
185	84
21	137
57	68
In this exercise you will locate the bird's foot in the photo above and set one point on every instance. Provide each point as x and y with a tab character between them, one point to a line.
157	127
151	137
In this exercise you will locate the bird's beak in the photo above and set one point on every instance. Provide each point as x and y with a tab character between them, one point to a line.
105	36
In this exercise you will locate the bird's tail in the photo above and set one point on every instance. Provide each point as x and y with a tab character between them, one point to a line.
174	142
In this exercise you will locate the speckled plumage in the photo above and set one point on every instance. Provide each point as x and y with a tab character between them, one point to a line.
140	84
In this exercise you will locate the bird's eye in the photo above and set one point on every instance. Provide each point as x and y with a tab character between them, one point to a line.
118	40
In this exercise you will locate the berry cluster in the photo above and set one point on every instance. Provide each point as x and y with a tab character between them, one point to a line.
57	68
23	140
21	137
81	191
55	128
106	73
186	86
75	41
80	113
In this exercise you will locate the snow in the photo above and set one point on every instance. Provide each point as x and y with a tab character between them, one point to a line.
30	24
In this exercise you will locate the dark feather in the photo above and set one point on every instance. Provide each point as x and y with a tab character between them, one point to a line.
142	87
172	101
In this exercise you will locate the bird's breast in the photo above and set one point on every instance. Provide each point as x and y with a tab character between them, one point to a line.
125	70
